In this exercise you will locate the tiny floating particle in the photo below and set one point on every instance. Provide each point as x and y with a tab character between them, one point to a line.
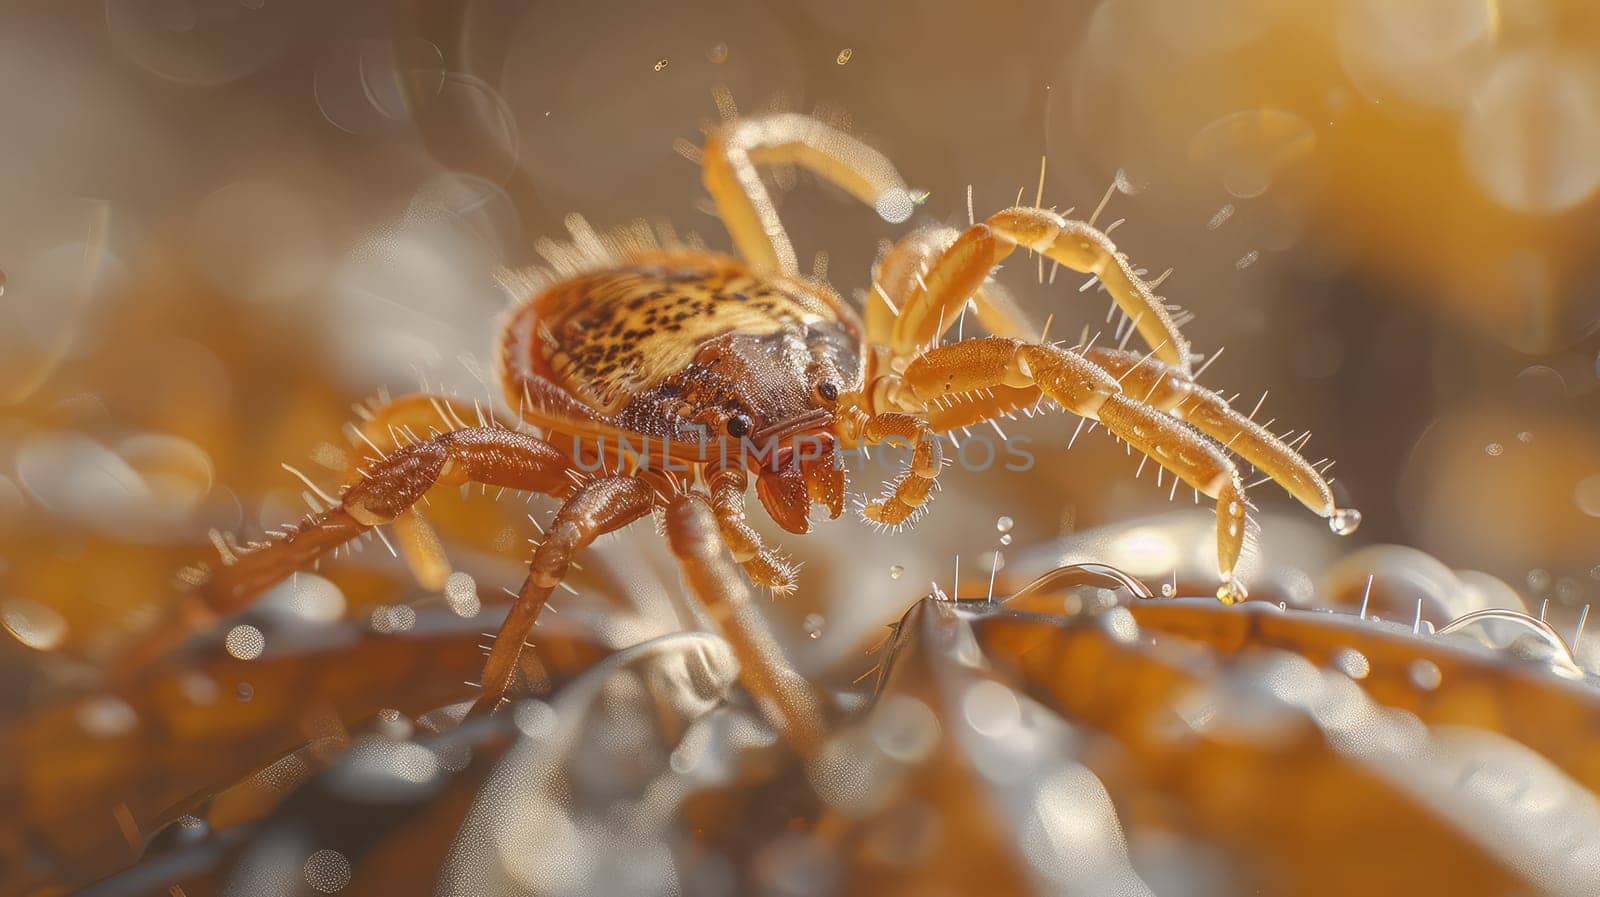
1494	449
844	56
661	64
898	570
1247	260
1223	214
718	54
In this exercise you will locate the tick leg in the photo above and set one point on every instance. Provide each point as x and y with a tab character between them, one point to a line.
908	264
1166	388
729	169
1083	388
385	491
400	422
784	696
596	508
910	490
932	303
766	567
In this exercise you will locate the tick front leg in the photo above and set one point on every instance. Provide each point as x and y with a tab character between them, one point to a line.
596	508
384	493
784	696
930	301
1166	388
974	366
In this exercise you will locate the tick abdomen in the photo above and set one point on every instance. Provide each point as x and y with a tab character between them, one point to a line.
606	335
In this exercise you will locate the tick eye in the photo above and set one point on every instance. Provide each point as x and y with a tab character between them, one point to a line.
828	390
738	425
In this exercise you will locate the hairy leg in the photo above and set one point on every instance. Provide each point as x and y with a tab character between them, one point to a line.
598	507
932	302
730	171
385	490
977	365
1167	389
784	696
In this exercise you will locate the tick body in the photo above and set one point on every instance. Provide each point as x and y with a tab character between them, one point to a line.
735	371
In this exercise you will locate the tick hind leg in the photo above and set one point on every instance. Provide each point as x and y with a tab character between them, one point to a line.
1083	388
385	492
596	508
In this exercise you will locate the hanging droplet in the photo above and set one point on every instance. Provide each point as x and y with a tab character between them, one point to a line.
1168	590
1004	524
813	624
1005	539
844	56
661	64
896	571
1344	521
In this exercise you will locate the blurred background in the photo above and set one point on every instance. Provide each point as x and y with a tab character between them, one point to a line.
225	221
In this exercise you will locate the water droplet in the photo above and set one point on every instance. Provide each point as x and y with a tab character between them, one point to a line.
718	54
1425	674
898	570
327	871
1004	524
1524	437
1005	539
813	625
1344	521
1494	449
245	642
1247	259
1168	590
661	64
1538	579
844	56
1352	663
